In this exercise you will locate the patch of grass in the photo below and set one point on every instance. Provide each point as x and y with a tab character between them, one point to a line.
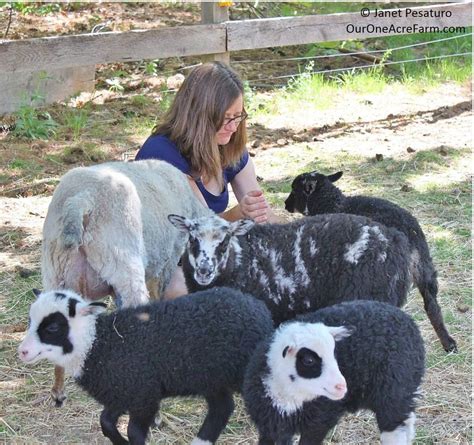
16	306
84	151
32	123
141	101
23	164
74	121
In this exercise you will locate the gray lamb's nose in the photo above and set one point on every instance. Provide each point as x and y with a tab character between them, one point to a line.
205	267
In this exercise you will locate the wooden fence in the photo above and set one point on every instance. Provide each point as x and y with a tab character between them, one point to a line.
69	61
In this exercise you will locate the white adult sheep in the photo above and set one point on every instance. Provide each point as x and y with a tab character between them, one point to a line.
106	231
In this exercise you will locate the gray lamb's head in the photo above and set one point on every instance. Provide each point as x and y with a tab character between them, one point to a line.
210	241
313	193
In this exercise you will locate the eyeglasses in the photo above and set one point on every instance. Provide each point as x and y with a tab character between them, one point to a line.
237	119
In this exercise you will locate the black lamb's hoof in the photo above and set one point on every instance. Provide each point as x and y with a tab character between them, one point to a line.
451	346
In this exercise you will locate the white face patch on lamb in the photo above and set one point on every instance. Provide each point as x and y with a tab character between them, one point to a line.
61	330
302	365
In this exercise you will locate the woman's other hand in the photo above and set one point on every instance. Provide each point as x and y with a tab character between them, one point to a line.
254	206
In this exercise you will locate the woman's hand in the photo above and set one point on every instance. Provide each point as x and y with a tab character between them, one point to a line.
254	206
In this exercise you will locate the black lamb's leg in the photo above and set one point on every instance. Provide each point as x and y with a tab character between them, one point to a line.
139	425
108	423
220	407
428	287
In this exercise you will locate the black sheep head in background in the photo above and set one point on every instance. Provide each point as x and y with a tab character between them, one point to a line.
313	193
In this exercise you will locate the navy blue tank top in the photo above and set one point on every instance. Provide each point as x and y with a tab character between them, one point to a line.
160	147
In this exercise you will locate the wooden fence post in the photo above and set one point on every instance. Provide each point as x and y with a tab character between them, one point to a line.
212	12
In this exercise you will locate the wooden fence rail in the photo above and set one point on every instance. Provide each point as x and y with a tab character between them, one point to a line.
58	56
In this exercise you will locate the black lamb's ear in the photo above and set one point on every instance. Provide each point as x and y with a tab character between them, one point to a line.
290	203
335	176
37	292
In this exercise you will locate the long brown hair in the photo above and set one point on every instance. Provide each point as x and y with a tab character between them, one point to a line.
198	112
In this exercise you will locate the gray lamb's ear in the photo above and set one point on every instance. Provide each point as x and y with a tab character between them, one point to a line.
340	332
180	222
241	227
37	292
335	176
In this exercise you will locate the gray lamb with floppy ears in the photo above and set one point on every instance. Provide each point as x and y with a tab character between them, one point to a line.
314	194
301	266
351	356
129	360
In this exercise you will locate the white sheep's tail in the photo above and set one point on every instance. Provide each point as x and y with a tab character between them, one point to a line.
75	214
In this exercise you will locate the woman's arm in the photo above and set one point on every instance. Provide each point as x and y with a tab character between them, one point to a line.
252	202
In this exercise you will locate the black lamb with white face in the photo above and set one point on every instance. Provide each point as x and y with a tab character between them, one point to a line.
315	194
351	356
129	360
298	267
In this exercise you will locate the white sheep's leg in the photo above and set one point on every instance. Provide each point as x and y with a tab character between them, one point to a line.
402	435
127	278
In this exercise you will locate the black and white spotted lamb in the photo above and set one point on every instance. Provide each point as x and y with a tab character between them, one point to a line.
351	356
129	360
298	267
314	194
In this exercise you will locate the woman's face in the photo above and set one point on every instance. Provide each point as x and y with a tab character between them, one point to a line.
228	129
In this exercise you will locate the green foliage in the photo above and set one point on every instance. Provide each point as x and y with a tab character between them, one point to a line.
150	67
114	85
166	98
74	121
34	124
30	122
37	8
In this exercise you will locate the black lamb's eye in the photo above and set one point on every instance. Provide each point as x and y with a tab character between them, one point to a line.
308	360
309	364
52	328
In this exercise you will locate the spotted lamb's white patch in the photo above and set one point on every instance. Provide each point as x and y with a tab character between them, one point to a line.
300	269
356	250
382	256
379	234
234	244
263	280
313	250
282	281
307	303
